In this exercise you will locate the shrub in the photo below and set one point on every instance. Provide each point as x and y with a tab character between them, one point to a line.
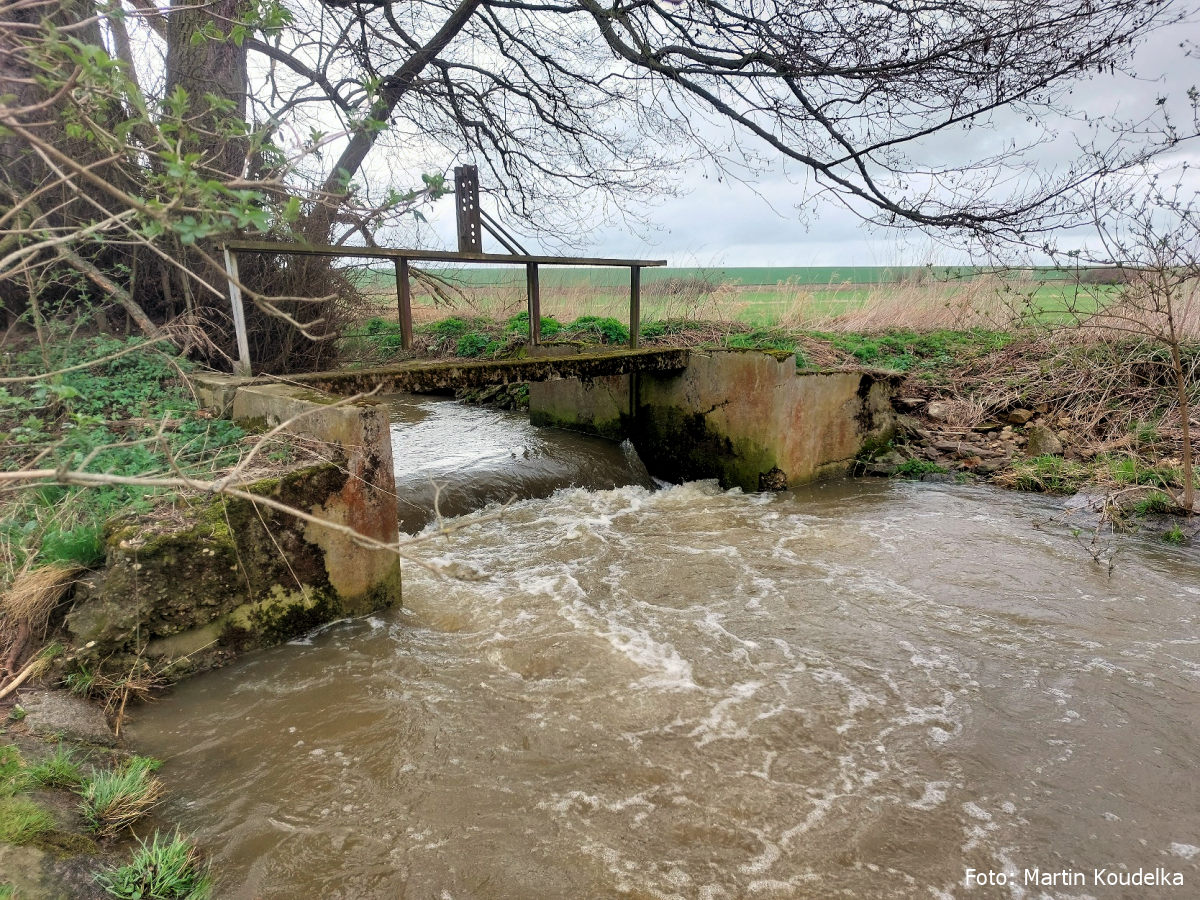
915	468
450	327
476	343
383	335
519	324
165	869
608	329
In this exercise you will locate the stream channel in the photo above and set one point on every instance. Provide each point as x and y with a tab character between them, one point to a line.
862	688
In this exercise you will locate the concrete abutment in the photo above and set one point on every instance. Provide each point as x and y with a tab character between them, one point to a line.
746	418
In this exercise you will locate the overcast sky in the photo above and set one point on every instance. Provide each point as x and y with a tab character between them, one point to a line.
727	223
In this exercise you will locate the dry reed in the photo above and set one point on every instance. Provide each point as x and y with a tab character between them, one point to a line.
26	607
985	302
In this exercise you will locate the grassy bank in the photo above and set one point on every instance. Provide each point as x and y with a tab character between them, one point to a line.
88	810
103	405
118	406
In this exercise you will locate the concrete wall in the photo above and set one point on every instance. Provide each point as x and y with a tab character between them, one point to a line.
367	501
746	418
186	590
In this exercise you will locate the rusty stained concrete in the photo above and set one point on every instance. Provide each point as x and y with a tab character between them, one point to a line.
366	502
747	418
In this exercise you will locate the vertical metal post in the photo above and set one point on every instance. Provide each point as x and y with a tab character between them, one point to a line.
404	303
242	365
466	204
635	305
534	292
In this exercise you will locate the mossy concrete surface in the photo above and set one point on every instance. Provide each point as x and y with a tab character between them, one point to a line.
187	590
746	418
366	501
215	391
595	405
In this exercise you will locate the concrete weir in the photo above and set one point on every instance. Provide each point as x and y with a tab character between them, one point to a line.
186	589
746	418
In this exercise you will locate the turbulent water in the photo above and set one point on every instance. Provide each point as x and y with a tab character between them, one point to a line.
862	689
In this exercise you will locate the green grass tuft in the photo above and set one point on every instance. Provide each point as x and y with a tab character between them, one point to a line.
60	769
1049	474
113	800
762	339
904	350
1174	535
915	468
22	820
167	868
13	776
1154	503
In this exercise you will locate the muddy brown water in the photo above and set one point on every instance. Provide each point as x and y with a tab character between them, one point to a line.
859	689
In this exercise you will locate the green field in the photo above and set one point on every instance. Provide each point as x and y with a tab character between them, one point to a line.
744	276
916	297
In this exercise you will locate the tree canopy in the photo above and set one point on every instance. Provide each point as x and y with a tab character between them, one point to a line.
136	134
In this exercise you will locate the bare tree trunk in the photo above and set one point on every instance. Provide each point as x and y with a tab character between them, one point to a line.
208	66
391	93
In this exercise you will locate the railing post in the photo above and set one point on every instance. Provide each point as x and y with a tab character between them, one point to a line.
635	305
404	303
242	365
534	293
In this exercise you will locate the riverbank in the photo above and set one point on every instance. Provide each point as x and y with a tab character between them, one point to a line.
78	812
161	562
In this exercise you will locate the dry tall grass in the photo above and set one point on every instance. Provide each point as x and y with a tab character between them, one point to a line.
988	302
1143	309
25	610
689	298
985	302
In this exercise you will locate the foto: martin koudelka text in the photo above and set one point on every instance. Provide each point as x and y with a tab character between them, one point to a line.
1104	877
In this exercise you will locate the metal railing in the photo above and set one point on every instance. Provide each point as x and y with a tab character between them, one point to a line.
401	259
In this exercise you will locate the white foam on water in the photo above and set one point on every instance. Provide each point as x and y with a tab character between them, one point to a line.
975	811
1184	851
665	669
719	724
713	623
765	860
934	796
